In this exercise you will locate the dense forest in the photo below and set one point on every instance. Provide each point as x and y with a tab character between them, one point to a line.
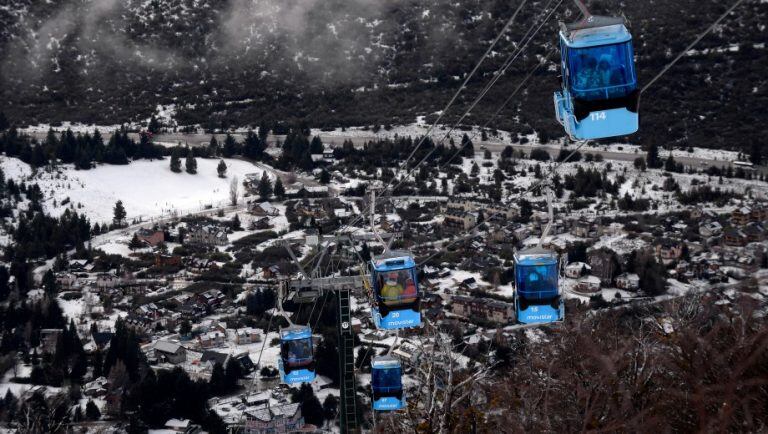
342	63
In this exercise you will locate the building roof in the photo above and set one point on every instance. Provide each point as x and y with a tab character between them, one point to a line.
168	347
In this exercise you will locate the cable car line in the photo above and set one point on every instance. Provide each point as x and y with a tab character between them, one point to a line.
510	59
487	88
464	84
450	103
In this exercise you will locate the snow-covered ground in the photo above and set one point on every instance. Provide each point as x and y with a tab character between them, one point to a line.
148	189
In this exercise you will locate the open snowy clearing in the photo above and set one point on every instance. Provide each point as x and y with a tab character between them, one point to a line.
148	189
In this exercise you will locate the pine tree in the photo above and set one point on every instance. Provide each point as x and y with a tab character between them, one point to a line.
191	163
49	283
135	243
119	213
279	189
468	149
325	177
236	225
652	159
213	147
154	125
526	211
265	186
176	160
222	169
3	122
231	147
316	146
92	411
755	154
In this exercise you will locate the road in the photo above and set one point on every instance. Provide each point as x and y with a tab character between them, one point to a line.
197	139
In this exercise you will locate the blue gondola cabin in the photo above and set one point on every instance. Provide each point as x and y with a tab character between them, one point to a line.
396	291
537	291
387	384
599	96
297	361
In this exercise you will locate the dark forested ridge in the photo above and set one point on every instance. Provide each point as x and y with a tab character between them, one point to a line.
361	62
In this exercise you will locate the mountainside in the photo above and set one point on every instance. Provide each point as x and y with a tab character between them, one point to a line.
362	62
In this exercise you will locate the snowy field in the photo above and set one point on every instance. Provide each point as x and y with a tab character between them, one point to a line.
148	189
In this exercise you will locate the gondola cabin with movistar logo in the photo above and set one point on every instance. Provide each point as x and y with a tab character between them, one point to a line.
599	96
297	361
396	296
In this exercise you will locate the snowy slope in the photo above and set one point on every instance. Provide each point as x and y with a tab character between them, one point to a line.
148	189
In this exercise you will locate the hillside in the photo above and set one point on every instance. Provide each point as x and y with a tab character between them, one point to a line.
342	63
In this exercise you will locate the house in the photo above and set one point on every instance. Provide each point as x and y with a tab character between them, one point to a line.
755	232
269	419
604	264
171	352
628	281
66	280
263	209
669	250
212	298
759	213
575	270
151	237
107	281
710	229
247	335
741	216
167	260
206	235
212	339
49	340
459	221
485	308
210	358
584	229
588	284
735	237
182	426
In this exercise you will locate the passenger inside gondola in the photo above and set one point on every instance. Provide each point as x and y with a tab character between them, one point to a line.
297	352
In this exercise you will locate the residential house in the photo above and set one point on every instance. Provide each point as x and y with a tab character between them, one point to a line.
247	335
107	281
210	358
755	232
710	229
182	426
212	298
66	280
741	216
575	270
628	281
604	263
585	229
263	209
486	308
206	235
171	352
759	213
459	221
151	237
212	339
588	284
167	260
669	250
735	237
270	419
